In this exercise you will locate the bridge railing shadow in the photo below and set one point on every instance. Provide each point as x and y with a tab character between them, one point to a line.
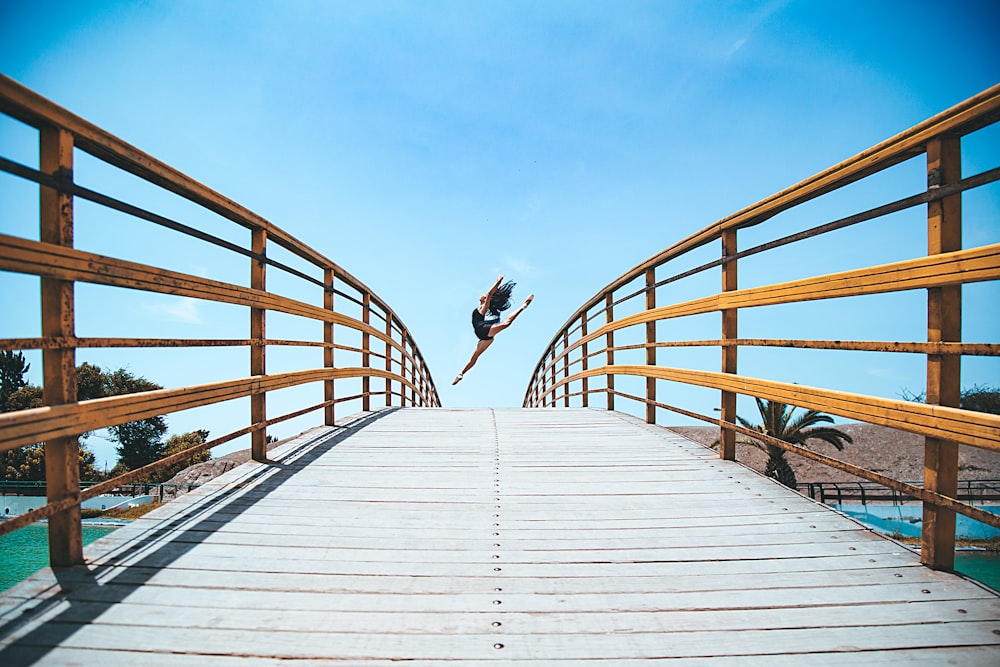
821	279
368	356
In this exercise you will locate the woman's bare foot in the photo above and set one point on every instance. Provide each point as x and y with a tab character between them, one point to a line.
458	378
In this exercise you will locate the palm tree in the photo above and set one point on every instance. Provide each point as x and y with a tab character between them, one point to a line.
777	422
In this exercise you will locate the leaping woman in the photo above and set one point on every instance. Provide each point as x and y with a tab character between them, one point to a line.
486	318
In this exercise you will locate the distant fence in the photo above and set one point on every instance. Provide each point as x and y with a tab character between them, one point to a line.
974	491
382	346
580	360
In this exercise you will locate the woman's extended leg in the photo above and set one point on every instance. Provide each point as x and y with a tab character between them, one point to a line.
497	328
480	348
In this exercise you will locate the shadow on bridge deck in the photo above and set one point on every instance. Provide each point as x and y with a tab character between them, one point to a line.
566	536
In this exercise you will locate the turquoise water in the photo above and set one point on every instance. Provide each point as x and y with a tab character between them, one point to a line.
26	551
982	566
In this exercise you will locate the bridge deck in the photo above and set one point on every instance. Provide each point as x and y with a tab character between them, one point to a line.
571	536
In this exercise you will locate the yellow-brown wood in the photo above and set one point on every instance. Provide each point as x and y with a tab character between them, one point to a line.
24	104
980	349
566	370
944	324
388	359
584	359
949	268
366	350
38	424
609	346
329	413
552	376
62	463
46	260
650	350
258	351
978	429
727	437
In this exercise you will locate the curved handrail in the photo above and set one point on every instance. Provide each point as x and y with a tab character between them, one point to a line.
567	367
384	339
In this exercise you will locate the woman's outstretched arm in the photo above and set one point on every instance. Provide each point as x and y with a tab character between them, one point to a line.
485	305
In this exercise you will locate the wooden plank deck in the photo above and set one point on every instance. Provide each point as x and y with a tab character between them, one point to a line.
567	536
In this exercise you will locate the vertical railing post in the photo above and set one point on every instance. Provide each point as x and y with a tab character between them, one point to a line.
258	350
944	323
552	371
540	384
566	368
609	316
403	339
650	342
543	382
388	359
584	385
366	353
329	412
422	372
727	437
417	393
62	455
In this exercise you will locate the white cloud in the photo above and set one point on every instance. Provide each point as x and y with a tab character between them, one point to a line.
180	309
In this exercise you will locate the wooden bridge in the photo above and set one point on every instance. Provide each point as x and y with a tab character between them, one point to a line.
574	536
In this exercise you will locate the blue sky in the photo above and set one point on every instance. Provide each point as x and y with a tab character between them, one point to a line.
428	146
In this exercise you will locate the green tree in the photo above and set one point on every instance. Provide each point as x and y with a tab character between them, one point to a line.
13	368
178	443
89	382
28	463
139	442
25	398
777	422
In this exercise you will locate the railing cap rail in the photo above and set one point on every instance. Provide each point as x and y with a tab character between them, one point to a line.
24	104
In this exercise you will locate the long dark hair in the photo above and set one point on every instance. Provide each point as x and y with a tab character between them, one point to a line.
501	297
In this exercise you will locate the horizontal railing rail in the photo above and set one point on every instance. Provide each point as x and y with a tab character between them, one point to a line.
387	364
580	360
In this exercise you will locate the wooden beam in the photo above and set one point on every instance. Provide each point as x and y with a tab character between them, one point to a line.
566	369
366	352
609	347
258	351
969	427
42	424
944	323
727	437
329	413
585	385
62	453
947	268
51	261
650	349
388	359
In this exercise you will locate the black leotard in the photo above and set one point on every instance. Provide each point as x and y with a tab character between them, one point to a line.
481	325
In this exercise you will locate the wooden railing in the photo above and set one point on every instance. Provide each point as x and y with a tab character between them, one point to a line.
386	350
568	371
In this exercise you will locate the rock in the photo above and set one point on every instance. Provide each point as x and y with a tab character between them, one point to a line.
200	473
